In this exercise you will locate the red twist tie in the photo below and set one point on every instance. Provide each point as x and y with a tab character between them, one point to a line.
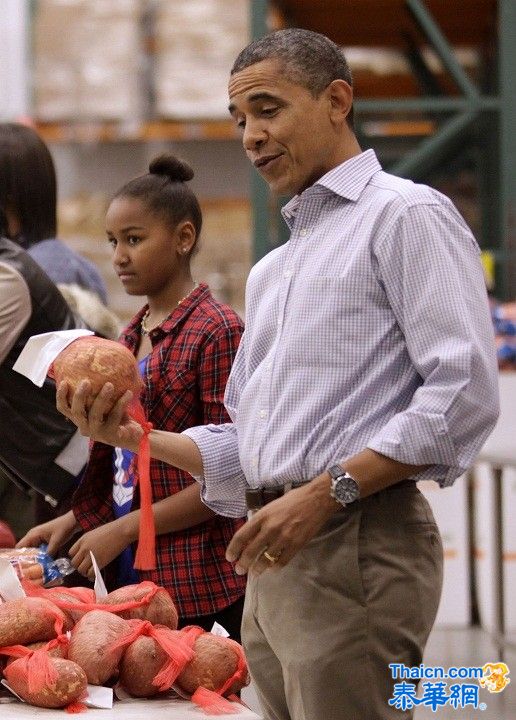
145	558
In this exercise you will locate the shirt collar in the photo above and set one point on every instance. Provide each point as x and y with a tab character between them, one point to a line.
347	180
185	307
351	177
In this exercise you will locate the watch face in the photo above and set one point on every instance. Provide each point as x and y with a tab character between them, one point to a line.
346	490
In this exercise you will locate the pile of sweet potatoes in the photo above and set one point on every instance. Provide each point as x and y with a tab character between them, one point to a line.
53	644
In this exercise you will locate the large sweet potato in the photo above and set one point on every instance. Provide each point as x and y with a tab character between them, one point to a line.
140	663
99	361
28	620
91	644
160	610
70	684
216	661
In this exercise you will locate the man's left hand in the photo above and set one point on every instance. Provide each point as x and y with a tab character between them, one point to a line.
272	537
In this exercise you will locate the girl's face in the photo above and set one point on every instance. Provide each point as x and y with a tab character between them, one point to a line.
148	255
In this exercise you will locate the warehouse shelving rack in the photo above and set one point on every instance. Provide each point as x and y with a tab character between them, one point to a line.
474	119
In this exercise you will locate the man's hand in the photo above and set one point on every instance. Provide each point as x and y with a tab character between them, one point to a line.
100	418
105	542
55	533
282	528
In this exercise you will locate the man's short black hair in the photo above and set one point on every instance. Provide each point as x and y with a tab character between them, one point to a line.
309	59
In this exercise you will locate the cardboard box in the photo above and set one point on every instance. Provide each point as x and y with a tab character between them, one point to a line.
450	508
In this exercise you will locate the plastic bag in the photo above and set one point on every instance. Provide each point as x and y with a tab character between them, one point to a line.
36	565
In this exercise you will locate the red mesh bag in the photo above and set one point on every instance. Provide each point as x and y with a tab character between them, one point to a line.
144	601
43	680
218	669
100	361
30	619
73	601
153	658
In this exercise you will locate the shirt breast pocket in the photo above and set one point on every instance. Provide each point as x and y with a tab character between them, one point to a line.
172	384
326	319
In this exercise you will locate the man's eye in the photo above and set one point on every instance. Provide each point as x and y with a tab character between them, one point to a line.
112	242
241	123
269	111
133	239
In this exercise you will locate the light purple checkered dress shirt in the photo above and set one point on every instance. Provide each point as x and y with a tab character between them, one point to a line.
369	328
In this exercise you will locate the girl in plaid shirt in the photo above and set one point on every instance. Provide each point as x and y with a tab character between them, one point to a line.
185	342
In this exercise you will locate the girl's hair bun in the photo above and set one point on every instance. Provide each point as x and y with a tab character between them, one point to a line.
173	168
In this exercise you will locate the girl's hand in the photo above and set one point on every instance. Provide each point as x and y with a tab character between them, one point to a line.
99	417
105	542
54	533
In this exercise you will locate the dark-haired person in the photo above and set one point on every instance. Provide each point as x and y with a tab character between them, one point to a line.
185	342
367	364
28	217
28	208
39	449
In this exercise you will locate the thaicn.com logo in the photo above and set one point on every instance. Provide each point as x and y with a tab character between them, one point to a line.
494	677
437	686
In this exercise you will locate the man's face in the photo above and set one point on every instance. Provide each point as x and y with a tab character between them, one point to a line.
287	133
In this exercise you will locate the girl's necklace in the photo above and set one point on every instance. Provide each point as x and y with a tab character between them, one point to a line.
143	323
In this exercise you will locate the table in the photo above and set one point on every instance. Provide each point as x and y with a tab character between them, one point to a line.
169	709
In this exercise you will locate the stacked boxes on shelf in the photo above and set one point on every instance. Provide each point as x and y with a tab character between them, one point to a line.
87	60
196	43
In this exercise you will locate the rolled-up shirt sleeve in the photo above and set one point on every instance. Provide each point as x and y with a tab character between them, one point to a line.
15	308
428	262
223	481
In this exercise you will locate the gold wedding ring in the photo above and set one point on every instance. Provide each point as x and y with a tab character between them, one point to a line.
271	558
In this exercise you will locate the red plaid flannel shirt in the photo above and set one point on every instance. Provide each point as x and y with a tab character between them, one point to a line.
187	371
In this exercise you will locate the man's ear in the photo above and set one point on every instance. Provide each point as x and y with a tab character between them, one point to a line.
340	97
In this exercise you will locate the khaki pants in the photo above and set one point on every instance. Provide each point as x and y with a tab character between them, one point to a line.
320	633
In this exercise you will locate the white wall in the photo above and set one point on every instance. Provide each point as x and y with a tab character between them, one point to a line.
14	36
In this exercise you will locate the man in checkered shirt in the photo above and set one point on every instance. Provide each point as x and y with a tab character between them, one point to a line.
367	364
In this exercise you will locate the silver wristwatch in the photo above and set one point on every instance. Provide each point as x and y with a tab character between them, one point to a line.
344	489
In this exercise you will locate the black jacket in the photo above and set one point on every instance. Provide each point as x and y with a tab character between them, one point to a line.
32	431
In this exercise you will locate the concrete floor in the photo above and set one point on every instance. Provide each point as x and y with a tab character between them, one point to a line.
457	647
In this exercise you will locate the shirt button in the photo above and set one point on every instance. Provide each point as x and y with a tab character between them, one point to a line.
287	273
254	462
263	413
303	232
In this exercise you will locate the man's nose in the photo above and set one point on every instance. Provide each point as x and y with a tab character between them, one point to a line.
254	135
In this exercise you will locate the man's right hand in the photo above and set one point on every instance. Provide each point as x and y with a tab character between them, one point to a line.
54	533
98	417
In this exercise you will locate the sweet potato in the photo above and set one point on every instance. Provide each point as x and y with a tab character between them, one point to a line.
28	620
216	661
66	595
160	610
59	651
70	684
99	361
91	644
140	663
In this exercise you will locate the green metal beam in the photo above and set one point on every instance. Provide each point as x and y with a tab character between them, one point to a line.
259	191
427	104
431	150
507	139
441	46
